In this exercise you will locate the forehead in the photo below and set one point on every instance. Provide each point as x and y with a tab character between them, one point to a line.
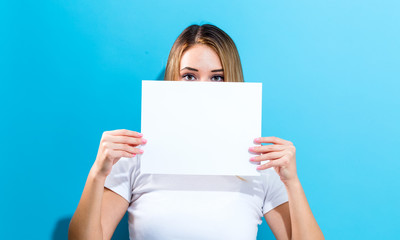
201	57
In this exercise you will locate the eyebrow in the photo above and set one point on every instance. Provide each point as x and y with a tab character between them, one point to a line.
194	69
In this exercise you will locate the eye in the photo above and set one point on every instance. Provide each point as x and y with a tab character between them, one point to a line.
189	77
218	78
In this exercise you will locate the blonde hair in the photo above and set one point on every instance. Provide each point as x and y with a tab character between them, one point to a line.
212	37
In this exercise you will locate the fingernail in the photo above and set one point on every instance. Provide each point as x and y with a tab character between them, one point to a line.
141	151
251	148
140	134
257	139
259	167
144	140
252	159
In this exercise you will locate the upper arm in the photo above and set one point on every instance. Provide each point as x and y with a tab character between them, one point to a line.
113	208
278	220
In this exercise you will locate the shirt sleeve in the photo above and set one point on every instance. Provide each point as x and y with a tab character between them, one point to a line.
120	178
275	191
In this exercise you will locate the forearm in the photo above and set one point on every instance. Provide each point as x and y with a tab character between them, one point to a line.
304	225
86	222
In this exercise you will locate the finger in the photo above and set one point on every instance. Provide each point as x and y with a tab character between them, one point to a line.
268	156
116	155
125	132
127	140
121	153
275	140
267	148
126	148
277	163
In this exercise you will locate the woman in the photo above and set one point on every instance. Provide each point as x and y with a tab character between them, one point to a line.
193	207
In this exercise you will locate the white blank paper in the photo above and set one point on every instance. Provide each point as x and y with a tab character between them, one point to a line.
201	128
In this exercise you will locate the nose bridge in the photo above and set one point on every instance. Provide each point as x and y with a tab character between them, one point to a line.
204	79
204	75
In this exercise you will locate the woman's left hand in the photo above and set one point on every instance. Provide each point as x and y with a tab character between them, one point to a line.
281	155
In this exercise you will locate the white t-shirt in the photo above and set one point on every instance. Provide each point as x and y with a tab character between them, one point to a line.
194	207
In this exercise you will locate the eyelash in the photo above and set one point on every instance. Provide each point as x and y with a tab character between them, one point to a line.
213	77
186	75
219	76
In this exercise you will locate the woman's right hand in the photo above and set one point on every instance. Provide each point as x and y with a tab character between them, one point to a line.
114	145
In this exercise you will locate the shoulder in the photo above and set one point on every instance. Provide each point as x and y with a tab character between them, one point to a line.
275	190
270	178
122	175
125	164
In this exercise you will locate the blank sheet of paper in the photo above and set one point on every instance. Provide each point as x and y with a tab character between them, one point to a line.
201	128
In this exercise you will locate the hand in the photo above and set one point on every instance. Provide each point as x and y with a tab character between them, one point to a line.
281	155
114	145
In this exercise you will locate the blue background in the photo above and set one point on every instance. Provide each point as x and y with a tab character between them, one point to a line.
70	70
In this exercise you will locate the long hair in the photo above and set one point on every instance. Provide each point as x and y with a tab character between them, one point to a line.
213	37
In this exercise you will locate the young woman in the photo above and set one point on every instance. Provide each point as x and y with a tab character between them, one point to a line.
194	207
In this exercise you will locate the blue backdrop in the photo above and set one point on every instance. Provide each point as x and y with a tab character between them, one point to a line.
70	70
